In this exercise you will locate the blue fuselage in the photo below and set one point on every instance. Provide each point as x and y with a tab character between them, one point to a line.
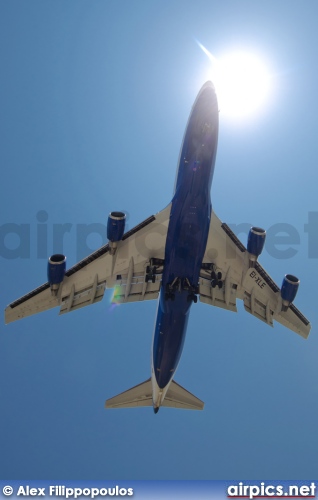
187	234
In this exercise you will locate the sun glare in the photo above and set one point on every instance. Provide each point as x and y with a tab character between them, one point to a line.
242	82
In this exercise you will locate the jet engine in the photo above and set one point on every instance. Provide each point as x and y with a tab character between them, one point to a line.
55	271
255	244
289	290
115	228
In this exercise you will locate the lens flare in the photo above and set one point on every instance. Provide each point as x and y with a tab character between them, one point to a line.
114	301
112	307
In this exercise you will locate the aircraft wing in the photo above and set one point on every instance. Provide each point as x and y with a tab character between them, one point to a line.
260	294
125	271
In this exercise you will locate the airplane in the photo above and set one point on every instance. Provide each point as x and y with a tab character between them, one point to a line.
179	254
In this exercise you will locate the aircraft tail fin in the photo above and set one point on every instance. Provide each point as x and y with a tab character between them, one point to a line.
141	395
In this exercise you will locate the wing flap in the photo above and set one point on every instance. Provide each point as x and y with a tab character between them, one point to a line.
258	308
85	297
80	286
219	297
137	289
260	294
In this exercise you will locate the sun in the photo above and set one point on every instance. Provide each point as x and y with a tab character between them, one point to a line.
242	82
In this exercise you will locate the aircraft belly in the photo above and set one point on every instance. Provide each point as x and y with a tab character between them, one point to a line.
170	330
187	235
185	246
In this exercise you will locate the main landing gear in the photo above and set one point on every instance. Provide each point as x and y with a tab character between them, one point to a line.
216	279
179	284
151	270
215	276
150	274
171	288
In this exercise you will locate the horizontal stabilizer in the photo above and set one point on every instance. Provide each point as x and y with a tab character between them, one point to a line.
141	395
178	397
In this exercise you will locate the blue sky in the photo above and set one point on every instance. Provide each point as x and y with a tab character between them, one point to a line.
95	98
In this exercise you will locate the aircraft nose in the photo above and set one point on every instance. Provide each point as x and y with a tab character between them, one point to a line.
156	409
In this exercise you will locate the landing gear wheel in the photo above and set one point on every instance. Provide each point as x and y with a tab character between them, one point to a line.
193	298
150	274
169	296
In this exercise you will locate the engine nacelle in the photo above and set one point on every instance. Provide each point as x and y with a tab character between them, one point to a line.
289	290
255	244
55	271
115	228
